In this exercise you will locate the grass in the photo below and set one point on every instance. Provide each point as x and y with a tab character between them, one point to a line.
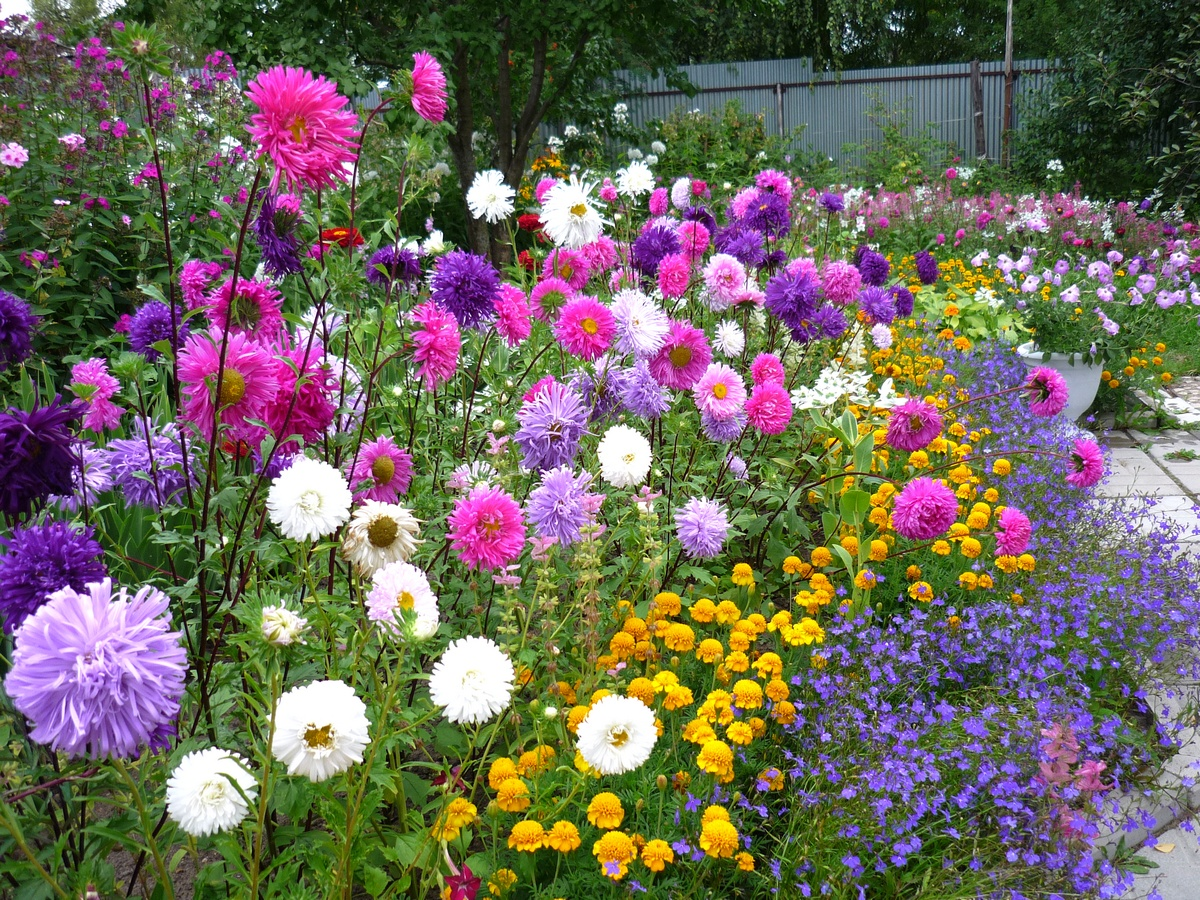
1181	334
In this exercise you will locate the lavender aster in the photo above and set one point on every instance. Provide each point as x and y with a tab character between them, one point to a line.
151	324
551	425
41	559
702	527
642	395
651	246
37	455
93	479
148	466
98	675
17	322
723	431
275	232
465	284
742	243
601	390
927	267
556	507
398	262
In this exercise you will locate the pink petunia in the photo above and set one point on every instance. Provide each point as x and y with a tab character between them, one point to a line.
585	327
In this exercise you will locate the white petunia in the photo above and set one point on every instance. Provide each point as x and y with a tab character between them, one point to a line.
617	735
380	533
203	795
281	626
402	601
642	325
568	217
635	179
490	198
320	729
624	456
729	340
473	681
308	500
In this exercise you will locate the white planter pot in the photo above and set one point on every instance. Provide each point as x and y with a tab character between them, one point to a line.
1083	379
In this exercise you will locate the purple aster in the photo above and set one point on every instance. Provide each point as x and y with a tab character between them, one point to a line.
557	507
17	322
742	243
904	300
831	203
37	454
601	390
465	284
768	215
793	297
723	431
651	246
398	263
551	425
737	467
702	215
275	232
701	526
151	324
92	480
830	321
642	395
148	467
873	267
879	304
927	267
98	675
41	559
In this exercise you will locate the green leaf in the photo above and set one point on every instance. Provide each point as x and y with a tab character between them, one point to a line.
855	505
844	555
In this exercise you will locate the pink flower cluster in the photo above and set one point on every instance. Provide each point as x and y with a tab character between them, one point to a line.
92	383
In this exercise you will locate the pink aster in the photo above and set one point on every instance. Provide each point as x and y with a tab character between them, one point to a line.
383	471
248	382
719	392
841	282
674	275
744	201
256	310
776	182
429	88
536	389
304	405
585	327
512	314
194	280
487	529
924	510
569	265
724	279
548	297
767	368
601	254
1012	536
693	239
91	382
914	424
303	124
1048	392
544	187
769	408
437	344
683	358
608	191
1087	463
658	202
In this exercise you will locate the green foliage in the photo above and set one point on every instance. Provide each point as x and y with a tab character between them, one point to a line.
898	156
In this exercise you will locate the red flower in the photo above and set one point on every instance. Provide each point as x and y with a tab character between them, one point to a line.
530	222
525	258
343	237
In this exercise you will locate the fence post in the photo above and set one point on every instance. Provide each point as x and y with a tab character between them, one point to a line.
1006	129
779	108
977	109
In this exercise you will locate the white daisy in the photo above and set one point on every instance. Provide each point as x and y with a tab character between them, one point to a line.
203	795
624	456
473	681
635	179
642	325
320	729
729	340
281	626
617	735
402	601
380	533
490	198
308	500
568	217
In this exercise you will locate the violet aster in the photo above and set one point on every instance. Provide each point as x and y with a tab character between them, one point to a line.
398	264
466	284
792	298
275	233
873	267
831	203
151	324
93	478
927	267
551	425
904	300
702	527
17	322
651	246
37	454
148	465
40	559
641	394
879	304
556	506
769	215
96	674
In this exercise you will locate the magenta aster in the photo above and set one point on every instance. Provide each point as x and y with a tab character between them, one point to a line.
1087	463
91	382
487	529
548	297
437	344
256	309
569	265
585	327
194	280
305	404
429	88
683	358
247	383
924	510
767	368
1048	392
674	275
769	408
1014	531
512	314
840	282
383	471
913	425
719	392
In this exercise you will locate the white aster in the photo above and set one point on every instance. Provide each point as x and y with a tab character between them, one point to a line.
281	626
568	217
642	325
402	601
658	147
635	179
203	795
380	533
308	500
729	339
490	198
320	729
473	681
881	336
624	456
617	735
681	193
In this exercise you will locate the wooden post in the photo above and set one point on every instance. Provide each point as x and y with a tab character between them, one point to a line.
977	109
1005	133
779	108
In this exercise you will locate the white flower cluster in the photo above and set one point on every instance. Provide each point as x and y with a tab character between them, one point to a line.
836	383
1054	165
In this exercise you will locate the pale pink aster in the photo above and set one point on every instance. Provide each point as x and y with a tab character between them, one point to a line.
719	392
585	327
683	357
742	203
1014	532
512	314
429	88
548	297
487	529
382	472
769	408
924	510
693	239
304	125
724	280
194	280
841	282
803	265
1087	463
674	275
776	182
257	309
248	382
437	344
1048	391
91	382
569	265
767	368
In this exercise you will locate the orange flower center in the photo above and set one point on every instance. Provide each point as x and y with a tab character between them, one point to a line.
299	129
590	326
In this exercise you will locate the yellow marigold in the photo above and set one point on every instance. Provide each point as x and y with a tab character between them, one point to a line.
941	548
535	761
1006	564
599	694
740	733
719	839
575	716
769	665
757	622
714	813
715	758
781	618
1026	562
985	581
657	855
977	520
605	811
680	638
807	631
878	517
458	814
850	544
727	612
717	707
500	771
820	582
642	689
743	575
1001	467
668	603
565	691
971	548
739	640
821	557
636	627
621	644
703	610
747	694
710	651
563	837
736	662
939	445
581	764
744	860
698	731
968	580
758	726
784	712
879	551
865	580
953	622
808	601
770	780
918	459
1017	599
912	573
678	697
527	836
644	650
501	881
665	680
614	852
792	564
777	690
512	795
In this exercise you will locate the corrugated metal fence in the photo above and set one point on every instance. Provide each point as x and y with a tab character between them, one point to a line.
833	107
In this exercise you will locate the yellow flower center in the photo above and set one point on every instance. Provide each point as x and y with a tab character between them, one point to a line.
579	210
319	738
383	469
618	736
405	600
720	391
382	531
232	389
298	128
590	326
680	356
566	271
492	525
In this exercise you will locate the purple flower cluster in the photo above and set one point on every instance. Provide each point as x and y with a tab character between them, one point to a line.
37	454
40	559
17	322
